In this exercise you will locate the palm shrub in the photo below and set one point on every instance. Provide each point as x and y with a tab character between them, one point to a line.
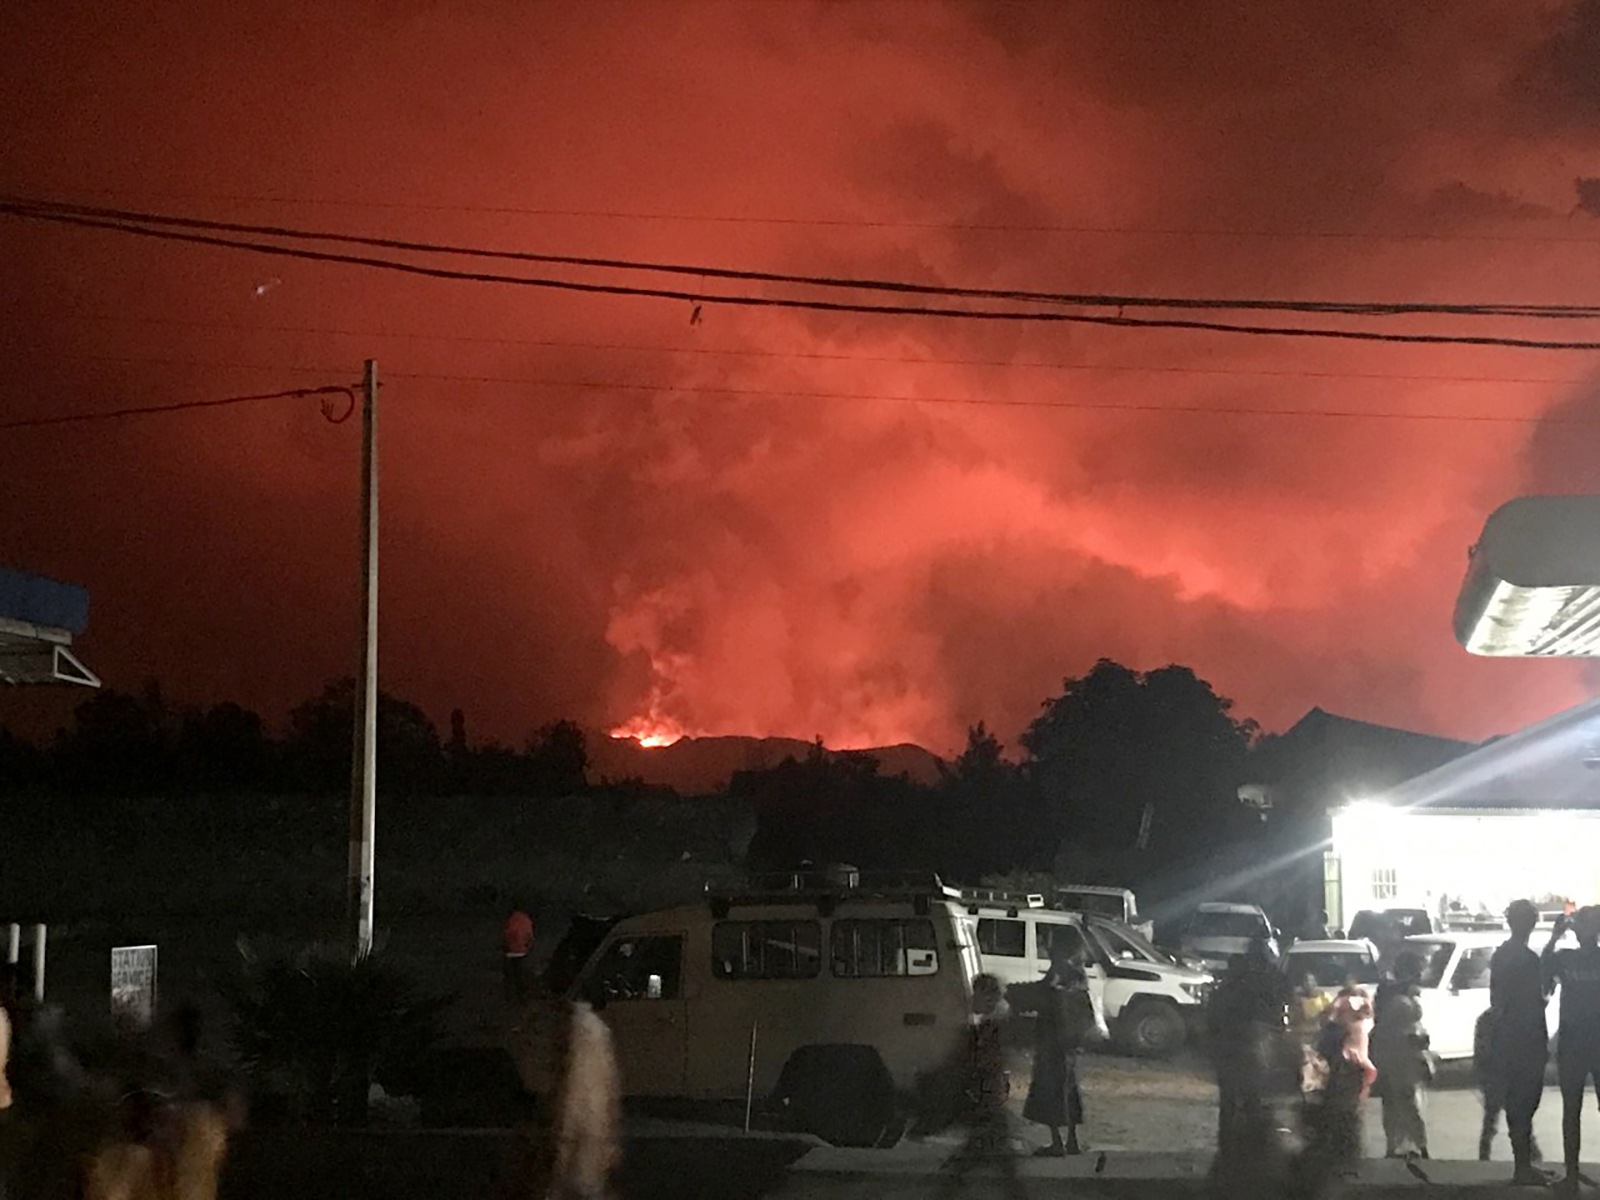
314	1030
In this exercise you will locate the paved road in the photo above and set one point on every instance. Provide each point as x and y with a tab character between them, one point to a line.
1143	1106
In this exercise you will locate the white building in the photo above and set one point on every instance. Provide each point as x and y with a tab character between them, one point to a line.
1517	817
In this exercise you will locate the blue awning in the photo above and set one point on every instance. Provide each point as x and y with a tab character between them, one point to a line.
41	601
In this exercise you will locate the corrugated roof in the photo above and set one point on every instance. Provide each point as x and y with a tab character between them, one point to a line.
1552	764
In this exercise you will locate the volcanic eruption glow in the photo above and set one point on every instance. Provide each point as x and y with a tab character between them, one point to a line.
650	732
665	520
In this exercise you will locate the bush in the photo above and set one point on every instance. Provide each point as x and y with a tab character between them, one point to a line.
314	1031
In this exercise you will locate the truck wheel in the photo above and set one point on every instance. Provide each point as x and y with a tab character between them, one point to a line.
841	1093
1152	1029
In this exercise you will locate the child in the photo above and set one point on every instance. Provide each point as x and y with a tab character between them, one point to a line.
988	1087
1400	1049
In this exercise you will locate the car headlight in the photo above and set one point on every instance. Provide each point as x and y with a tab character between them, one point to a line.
1196	991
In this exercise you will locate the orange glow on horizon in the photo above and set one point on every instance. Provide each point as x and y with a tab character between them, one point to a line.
650	732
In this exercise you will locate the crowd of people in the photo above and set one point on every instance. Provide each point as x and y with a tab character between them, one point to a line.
1345	1047
110	1110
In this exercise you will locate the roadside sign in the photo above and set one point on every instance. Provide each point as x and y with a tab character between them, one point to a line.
133	983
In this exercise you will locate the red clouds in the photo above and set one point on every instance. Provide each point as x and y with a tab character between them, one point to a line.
732	560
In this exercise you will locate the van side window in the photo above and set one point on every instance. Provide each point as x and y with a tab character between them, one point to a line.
874	948
1068	937
766	949
637	968
1006	939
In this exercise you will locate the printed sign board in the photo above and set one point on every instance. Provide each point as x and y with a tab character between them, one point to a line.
133	983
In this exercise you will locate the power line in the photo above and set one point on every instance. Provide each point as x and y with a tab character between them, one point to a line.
180	406
46	209
1369	235
854	397
817	305
819	356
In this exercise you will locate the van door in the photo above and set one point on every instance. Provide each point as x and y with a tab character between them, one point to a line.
1070	940
637	984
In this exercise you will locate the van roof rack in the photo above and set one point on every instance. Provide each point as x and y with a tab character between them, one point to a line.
997	896
808	882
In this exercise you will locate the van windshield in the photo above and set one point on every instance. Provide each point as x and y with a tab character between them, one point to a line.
1095	903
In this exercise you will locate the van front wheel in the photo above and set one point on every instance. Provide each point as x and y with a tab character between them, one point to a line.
1151	1029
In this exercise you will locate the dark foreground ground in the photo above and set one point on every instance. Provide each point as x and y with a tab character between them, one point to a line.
467	1166
424	1165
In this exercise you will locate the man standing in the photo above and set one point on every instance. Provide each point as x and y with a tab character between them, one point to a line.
1578	1055
1515	1042
516	941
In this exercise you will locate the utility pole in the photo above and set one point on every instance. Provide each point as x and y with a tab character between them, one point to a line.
364	756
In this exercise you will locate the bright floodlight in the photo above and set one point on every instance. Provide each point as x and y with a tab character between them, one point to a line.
1533	582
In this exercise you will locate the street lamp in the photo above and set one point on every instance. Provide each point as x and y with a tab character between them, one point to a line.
1532	588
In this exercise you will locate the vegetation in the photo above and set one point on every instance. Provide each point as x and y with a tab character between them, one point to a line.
1125	777
314	1031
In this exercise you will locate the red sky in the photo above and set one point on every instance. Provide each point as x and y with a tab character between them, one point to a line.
865	570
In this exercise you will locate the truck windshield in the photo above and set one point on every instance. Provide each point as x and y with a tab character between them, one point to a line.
1097	903
1229	925
1121	941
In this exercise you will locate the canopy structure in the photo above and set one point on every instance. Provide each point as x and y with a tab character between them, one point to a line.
39	617
1533	580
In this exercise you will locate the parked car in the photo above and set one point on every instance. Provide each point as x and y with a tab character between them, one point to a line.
1151	1001
1455	986
829	1000
1117	903
1218	933
1331	963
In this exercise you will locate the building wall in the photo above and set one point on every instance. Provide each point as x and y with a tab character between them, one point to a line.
1388	858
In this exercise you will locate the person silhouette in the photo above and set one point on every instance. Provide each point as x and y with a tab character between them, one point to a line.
1064	1024
1578	1053
1513	1044
986	1086
1405	1068
1248	1019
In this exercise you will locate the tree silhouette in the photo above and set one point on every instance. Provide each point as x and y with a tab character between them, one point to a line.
990	812
831	807
118	742
319	746
224	749
557	760
1122	753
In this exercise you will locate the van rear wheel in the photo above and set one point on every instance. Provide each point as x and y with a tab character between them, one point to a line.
1152	1029
842	1093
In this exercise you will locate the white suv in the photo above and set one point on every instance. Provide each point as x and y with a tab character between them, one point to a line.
1151	1001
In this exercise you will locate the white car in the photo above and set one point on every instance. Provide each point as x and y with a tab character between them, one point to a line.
1455	985
1151	1002
1218	933
1332	963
